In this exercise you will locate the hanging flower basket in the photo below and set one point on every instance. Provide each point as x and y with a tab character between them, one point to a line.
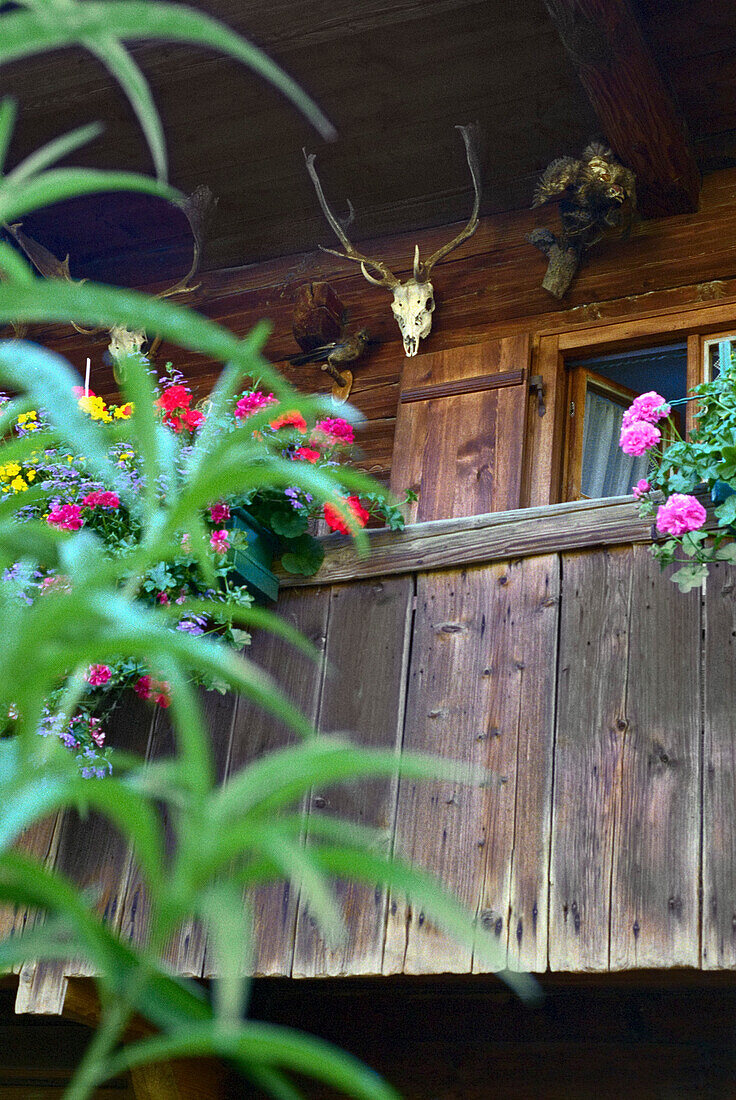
252	562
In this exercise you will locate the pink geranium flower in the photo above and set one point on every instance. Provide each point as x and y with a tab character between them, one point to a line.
680	514
638	438
251	402
98	674
642	486
649	407
220	541
333	429
219	512
67	517
101	500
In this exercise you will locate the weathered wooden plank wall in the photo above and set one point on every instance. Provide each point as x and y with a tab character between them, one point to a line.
490	288
579	679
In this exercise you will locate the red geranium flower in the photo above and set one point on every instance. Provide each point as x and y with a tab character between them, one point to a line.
306	454
193	418
174	397
334	518
291	419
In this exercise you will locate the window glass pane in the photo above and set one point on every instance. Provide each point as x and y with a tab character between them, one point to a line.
663	369
606	470
717	354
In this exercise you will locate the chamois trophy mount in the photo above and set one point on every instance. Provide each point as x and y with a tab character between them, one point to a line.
413	300
597	200
320	329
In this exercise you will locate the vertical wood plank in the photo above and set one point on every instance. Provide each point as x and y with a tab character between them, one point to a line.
185	950
536	641
363	694
95	856
256	733
39	842
655	919
719	772
463	702
543	460
591	709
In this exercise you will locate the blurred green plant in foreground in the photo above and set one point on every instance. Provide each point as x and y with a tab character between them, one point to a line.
229	838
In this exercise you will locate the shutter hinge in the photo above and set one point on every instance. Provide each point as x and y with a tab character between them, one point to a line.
572	408
536	384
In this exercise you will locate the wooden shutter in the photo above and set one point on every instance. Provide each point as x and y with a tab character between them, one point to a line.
460	429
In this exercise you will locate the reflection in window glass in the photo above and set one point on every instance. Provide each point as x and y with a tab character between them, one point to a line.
606	470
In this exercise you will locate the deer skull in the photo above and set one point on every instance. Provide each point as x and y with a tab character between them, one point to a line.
413	300
412	307
123	342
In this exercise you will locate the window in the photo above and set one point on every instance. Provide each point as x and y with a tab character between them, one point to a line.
601	389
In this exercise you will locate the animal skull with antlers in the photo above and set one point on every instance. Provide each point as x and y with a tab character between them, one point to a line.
413	300
197	209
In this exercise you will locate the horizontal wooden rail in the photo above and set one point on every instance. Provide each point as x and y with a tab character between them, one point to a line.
446	543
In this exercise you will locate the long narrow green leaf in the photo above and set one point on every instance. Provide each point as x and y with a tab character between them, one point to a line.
8	112
118	61
28	33
282	777
262	1044
66	183
221	906
51	152
441	907
13	266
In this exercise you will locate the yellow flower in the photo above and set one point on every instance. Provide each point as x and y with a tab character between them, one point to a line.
18	485
124	412
25	417
9	470
96	408
30	475
126	454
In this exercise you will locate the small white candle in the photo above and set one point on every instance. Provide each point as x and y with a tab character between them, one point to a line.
86	380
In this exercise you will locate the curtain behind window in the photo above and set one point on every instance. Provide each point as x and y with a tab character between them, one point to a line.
607	471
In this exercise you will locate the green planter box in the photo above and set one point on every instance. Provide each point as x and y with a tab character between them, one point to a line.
252	563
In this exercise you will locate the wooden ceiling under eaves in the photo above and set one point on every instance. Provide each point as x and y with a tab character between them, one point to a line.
395	76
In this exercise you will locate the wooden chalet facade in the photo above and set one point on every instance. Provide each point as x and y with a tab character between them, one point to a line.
511	625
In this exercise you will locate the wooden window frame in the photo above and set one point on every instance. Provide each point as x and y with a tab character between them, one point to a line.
545	474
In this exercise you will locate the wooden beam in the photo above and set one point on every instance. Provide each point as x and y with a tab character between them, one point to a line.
471	540
637	113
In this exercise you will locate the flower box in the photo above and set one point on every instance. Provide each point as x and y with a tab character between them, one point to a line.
252	562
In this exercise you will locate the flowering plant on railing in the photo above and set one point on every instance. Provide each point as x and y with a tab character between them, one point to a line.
291	515
707	460
68	497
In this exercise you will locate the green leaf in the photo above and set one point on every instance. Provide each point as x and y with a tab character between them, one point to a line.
51	152
726	512
303	556
261	1045
28	33
221	906
65	183
690	576
287	522
119	62
726	553
8	112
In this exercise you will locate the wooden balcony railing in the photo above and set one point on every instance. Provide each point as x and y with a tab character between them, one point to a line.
547	646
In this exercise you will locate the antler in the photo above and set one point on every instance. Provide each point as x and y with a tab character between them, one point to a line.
387	279
45	263
423	269
198	208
